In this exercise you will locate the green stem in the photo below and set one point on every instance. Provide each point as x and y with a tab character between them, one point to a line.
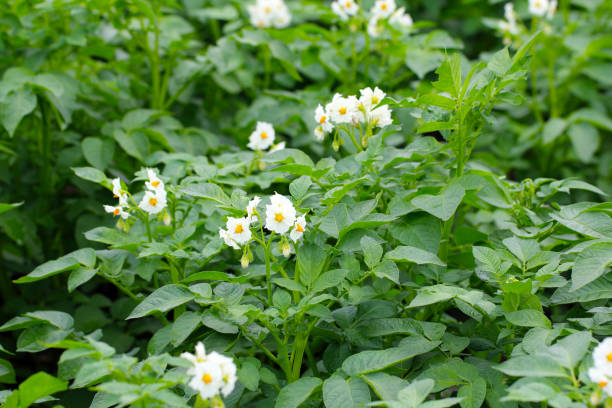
268	272
357	145
148	225
267	66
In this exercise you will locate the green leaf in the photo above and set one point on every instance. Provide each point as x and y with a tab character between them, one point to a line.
598	289
183	326
328	280
516	60
15	106
435	126
593	117
386	386
437	100
80	276
98	152
585	139
295	393
376	360
449	76
368	222
310	261
163	299
207	191
299	187
248	374
442	206
38	386
90	174
372	251
532	366
49	269
500	63
553	129
590	264
4	207
528	318
473	394
349	393
414	255
570	350
7	372
414	394
289	284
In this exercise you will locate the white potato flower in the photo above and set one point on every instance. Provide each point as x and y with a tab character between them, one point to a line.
323	119
600	376
383	8
118	191
319	133
401	19
154	183
267	13
345	8
538	8
280	214
238	229
602	355
370	98
262	137
298	228
207	378
277	147
251	207
228	372
198	357
153	202
229	241
343	110
381	116
374	28
116	211
552	9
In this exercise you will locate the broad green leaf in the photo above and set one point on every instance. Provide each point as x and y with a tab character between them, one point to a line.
591	264
350	393
500	63
15	106
295	393
386	386
585	140
7	372
414	394
376	360
163	299
207	191
368	222
528	318
248	374
553	129
532	366
90	174
443	205
598	289
299	187
372	251
437	100
4	207
80	276
570	350
449	76
310	261
473	394
98	152
328	280
413	255
38	386
184	326
49	269
530	389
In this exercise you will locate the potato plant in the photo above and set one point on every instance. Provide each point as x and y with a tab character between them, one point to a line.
305	203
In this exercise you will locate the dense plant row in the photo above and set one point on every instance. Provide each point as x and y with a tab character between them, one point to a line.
305	203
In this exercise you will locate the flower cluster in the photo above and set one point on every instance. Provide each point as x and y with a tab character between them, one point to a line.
601	372
154	199
386	10
269	13
543	8
343	111
119	193
281	218
263	137
345	8
213	373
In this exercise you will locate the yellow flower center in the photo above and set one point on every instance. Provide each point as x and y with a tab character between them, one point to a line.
238	229
116	212
323	119
609	357
538	4
153	202
348	4
603	383
342	110
267	9
155	183
264	135
299	228
260	24
374	100
279	217
383	6
207	378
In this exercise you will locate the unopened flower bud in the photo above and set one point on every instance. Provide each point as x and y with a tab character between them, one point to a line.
335	145
244	261
286	249
262	165
167	219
